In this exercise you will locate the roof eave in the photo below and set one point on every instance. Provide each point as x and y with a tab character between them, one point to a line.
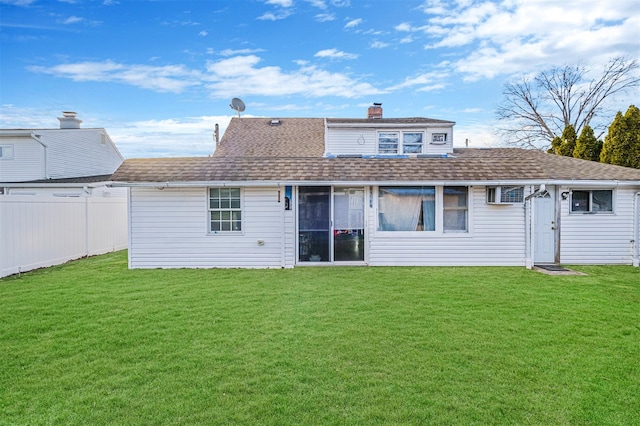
439	182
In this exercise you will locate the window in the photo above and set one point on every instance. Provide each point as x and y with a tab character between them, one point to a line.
505	194
416	208
225	212
6	152
400	142
455	208
407	208
596	201
439	138
388	143
412	143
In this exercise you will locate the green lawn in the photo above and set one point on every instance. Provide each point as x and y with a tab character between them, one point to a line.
91	343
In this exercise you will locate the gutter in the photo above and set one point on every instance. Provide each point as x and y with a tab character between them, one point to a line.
46	152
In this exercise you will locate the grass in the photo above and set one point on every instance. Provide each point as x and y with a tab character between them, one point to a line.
91	342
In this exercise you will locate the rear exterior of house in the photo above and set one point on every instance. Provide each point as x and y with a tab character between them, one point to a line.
293	192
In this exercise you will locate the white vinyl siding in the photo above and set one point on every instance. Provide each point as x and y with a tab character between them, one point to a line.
169	229
79	152
364	141
27	160
598	238
351	141
495	237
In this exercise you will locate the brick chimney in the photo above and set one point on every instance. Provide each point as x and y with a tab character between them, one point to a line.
375	111
69	120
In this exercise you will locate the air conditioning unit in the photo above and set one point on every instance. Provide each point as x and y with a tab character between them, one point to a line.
505	194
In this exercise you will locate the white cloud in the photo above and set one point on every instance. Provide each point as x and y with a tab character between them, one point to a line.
281	3
170	137
72	20
335	54
325	17
203	33
424	82
511	36
242	76
378	44
17	2
169	78
353	23
232	52
271	16
320	4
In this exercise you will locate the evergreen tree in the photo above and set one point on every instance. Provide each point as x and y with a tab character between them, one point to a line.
588	147
566	144
622	143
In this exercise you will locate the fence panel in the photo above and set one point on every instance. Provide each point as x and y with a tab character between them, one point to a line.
42	230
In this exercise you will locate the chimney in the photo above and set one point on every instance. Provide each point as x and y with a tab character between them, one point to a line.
375	111
69	120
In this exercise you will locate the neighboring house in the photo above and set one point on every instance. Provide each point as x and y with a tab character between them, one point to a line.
375	191
33	160
55	200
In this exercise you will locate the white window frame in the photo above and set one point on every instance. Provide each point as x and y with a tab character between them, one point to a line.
439	138
439	215
6	152
503	194
400	143
222	208
590	201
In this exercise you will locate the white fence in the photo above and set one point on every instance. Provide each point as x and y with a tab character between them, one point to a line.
41	230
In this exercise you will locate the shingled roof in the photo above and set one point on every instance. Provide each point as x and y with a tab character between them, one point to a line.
291	150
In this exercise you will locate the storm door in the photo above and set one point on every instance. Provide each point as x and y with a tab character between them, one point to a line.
544	227
348	224
314	223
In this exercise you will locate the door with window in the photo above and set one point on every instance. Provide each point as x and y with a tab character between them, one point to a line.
544	237
348	225
330	224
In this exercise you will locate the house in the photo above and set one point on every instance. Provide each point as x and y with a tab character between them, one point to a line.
374	191
55	200
62	161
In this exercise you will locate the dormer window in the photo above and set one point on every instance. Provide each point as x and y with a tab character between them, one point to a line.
400	142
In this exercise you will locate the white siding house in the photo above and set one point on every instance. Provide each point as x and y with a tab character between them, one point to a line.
56	203
376	191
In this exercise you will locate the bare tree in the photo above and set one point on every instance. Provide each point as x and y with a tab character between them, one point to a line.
536	111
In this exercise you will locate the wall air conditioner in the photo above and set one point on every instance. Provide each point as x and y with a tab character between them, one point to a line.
505	194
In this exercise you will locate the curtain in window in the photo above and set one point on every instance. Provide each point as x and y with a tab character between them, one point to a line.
455	208
407	208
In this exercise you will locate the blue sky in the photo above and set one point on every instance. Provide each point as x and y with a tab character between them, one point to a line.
158	75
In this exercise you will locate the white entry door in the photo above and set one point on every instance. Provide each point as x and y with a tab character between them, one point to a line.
544	226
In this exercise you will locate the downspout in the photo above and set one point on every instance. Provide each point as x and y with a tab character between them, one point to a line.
528	229
635	244
46	152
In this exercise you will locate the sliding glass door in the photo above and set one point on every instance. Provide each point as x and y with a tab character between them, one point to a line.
348	224
330	224
314	223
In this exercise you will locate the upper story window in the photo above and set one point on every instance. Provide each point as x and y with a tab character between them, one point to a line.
6	152
400	142
439	138
596	201
225	210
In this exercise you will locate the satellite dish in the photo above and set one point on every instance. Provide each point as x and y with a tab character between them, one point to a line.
238	105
